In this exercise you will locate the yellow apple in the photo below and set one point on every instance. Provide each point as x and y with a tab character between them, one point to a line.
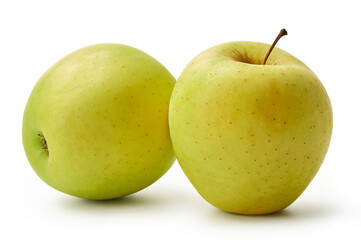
96	123
250	137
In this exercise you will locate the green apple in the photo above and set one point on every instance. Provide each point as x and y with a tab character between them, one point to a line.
250	137
96	123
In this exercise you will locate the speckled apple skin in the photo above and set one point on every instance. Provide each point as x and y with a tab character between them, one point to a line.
103	111
249	137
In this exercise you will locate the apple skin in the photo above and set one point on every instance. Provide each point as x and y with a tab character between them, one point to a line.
249	137
103	111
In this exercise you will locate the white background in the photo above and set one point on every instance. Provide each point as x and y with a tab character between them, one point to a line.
35	34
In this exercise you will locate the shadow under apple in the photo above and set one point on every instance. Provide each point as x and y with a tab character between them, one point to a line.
134	202
157	198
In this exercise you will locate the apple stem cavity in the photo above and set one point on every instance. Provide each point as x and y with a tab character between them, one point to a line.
282	33
45	145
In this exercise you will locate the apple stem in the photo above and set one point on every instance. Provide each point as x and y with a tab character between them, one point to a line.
282	33
45	145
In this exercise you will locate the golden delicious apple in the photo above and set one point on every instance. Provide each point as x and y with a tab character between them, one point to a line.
249	136
96	123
